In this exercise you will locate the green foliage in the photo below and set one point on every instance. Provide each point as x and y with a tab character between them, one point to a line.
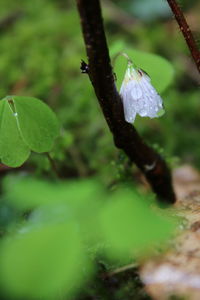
13	150
44	262
149	9
131	227
46	254
26	124
37	123
159	69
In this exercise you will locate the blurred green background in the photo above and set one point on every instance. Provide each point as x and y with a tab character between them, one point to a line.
41	47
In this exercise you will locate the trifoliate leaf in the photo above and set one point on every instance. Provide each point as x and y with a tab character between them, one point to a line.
13	150
37	123
26	124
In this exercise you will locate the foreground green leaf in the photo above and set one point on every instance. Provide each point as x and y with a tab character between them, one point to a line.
45	262
56	202
130	227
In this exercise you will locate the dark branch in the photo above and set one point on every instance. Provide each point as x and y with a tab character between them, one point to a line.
185	31
125	136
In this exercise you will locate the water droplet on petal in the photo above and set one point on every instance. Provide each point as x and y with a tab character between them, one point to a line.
143	113
139	96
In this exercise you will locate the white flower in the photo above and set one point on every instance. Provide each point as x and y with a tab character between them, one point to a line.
139	96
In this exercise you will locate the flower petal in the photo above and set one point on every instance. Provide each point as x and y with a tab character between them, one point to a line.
139	96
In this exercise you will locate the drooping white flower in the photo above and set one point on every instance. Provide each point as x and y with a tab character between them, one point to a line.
139	96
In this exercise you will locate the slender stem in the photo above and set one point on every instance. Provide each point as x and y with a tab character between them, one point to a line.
53	164
184	27
102	78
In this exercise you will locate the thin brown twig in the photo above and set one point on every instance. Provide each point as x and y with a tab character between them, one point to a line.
187	33
125	135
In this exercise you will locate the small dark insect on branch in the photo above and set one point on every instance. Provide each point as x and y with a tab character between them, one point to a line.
84	67
125	135
184	27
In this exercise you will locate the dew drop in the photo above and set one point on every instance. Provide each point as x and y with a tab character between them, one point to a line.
143	113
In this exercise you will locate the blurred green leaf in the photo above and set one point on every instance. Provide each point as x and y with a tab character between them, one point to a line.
130	226
159	69
46	262
79	194
57	202
150	9
121	225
